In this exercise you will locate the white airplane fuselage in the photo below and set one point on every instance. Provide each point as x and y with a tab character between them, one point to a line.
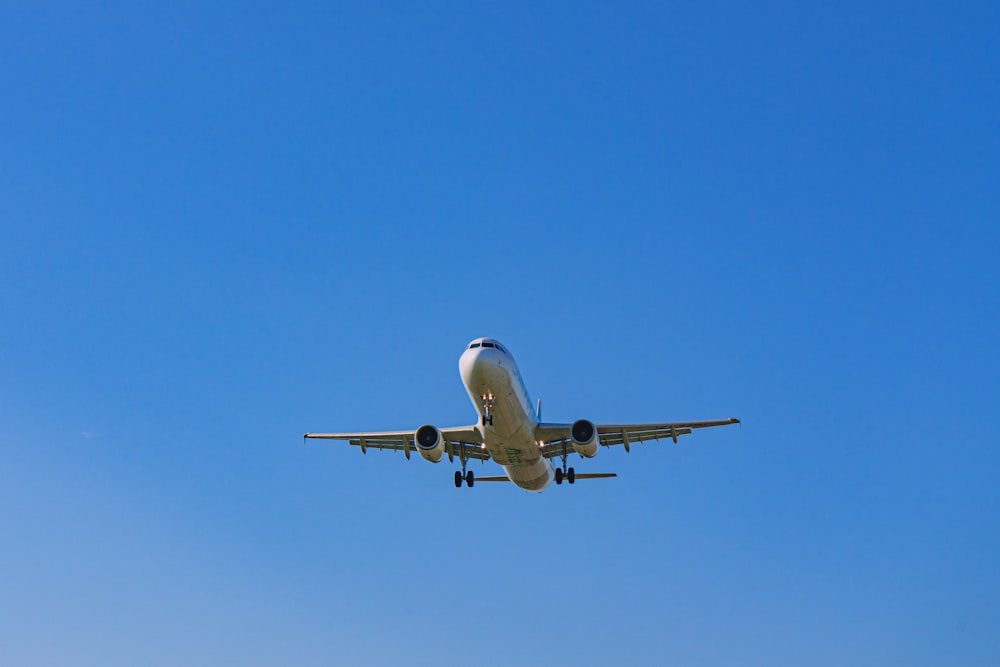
490	374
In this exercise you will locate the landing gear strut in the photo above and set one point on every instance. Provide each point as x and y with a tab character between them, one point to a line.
468	477
565	473
488	409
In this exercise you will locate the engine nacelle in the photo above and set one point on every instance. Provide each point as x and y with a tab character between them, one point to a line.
430	443
583	434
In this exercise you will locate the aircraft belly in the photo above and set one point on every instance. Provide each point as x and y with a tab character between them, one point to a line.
512	452
508	419
531	477
510	438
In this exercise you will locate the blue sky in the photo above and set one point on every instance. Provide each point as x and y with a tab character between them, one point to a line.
221	227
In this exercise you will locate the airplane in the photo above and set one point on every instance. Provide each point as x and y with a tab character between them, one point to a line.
510	431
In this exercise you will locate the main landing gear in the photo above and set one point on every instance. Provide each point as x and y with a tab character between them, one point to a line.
468	476
488	409
565	473
569	475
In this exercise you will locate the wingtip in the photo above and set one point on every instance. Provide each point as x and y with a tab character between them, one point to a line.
734	420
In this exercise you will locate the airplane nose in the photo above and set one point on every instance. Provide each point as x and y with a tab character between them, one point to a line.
474	362
466	363
469	360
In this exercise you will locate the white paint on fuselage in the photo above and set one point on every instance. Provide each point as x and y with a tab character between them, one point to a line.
510	440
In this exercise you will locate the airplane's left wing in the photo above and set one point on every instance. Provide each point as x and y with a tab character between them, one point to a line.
557	436
458	440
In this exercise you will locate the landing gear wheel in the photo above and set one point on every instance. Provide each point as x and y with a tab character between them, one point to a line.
458	480
559	475
491	420
470	478
570	475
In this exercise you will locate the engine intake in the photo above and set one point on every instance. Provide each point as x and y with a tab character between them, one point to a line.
583	434
430	443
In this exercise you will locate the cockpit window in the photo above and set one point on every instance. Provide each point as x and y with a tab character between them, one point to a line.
474	345
499	347
487	344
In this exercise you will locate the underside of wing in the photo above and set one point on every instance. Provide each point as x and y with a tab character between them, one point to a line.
558	440
457	440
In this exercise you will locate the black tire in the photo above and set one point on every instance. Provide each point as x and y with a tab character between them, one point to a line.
458	479
559	476
470	478
570	475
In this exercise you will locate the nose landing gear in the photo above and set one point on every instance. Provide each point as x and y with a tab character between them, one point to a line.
488	400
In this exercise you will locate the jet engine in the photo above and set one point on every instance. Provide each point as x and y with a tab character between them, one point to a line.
584	436
430	443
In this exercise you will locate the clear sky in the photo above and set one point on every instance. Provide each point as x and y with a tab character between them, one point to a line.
223	226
